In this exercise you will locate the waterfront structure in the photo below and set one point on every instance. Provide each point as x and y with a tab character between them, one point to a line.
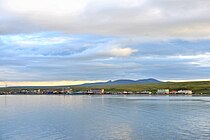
146	92
189	92
130	92
96	91
69	91
79	92
174	92
162	91
125	92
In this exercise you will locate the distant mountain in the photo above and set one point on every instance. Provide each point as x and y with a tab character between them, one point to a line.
116	82
123	82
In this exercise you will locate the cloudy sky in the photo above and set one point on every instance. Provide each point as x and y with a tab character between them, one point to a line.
77	41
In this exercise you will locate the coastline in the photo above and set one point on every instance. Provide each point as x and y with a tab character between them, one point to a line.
148	95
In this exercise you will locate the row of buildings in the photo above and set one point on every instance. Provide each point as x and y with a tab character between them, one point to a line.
101	91
167	91
37	91
159	92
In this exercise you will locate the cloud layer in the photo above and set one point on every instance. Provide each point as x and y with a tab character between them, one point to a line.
57	57
88	40
146	18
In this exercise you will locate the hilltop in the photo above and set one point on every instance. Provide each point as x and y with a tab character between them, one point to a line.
123	82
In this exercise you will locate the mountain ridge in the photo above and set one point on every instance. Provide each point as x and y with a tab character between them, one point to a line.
123	82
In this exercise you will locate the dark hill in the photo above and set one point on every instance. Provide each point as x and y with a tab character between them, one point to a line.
124	82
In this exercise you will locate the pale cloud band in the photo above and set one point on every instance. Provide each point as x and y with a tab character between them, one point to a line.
46	83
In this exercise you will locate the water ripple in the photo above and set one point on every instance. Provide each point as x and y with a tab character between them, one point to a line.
104	117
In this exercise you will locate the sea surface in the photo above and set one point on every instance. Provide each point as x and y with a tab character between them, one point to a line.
54	117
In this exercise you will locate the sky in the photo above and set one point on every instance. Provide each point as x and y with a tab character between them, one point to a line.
61	42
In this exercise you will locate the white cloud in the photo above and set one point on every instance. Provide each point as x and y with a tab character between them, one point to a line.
199	60
106	50
34	40
118	52
45	7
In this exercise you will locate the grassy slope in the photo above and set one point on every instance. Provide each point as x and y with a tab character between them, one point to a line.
197	87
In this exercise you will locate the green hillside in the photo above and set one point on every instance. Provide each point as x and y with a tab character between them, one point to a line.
197	87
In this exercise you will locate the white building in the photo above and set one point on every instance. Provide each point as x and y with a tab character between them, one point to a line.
189	92
146	92
125	92
162	91
96	91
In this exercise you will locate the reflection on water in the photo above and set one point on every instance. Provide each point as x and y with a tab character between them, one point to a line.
52	117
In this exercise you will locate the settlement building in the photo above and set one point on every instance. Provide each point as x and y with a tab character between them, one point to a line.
125	92
96	91
189	92
173	92
146	92
162	91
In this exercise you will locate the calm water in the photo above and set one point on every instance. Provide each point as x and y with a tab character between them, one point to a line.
52	117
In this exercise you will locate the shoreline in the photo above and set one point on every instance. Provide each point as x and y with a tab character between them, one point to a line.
194	95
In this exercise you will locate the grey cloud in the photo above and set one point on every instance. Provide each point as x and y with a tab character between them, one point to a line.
158	59
12	24
151	18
